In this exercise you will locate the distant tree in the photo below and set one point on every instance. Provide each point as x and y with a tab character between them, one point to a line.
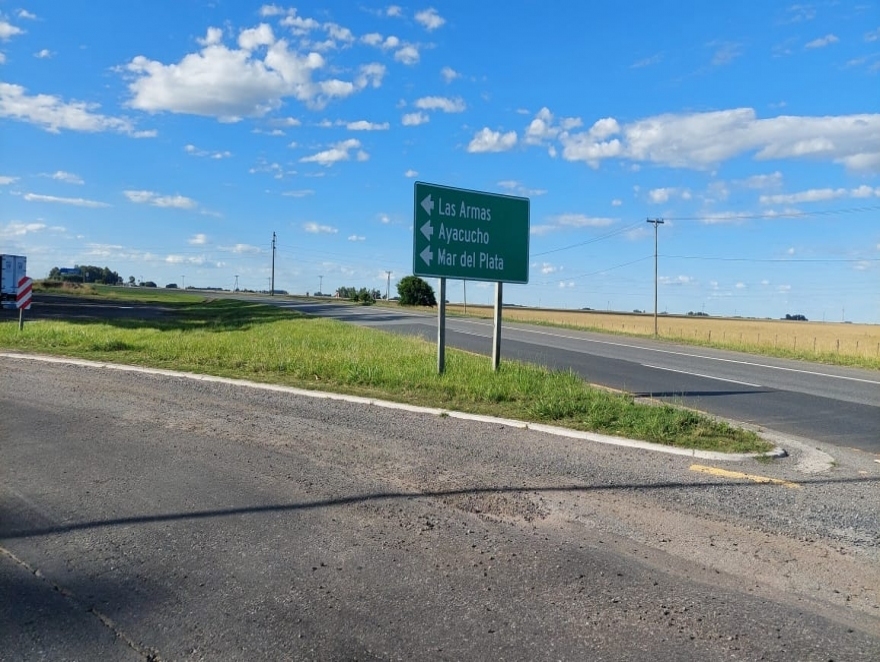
796	318
131	280
414	291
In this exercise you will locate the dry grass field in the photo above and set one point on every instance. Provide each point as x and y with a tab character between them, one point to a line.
843	344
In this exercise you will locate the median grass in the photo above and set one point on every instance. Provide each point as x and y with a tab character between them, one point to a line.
268	344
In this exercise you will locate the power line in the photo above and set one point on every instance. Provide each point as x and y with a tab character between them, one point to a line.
769	259
601	271
769	215
589	241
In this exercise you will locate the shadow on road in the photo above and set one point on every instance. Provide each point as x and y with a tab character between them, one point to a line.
380	496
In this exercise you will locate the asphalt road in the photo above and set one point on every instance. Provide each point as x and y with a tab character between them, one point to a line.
151	517
832	404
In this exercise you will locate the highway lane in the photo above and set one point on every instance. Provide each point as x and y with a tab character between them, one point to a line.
833	404
157	517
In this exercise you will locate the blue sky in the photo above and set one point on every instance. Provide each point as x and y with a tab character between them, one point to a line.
169	140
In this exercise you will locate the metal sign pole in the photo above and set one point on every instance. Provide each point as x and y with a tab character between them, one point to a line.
496	336
441	328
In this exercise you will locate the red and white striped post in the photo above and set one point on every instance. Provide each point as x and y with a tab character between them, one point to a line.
23	297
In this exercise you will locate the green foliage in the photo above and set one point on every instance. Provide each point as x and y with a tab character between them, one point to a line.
362	295
87	274
413	291
270	344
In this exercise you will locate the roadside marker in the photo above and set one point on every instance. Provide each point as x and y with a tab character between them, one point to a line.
725	473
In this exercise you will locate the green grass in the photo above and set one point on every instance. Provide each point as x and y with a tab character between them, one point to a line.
268	344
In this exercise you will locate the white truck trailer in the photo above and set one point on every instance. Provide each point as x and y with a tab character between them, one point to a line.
12	269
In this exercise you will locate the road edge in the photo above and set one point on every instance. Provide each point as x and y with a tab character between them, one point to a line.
774	437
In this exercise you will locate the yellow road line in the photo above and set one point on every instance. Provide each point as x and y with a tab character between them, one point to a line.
724	473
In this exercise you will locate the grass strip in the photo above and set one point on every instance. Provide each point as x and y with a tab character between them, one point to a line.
263	343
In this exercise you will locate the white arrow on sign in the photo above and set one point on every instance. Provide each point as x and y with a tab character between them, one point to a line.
428	230
428	204
427	255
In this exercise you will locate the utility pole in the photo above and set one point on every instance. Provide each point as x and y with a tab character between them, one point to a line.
320	285
388	285
272	288
656	222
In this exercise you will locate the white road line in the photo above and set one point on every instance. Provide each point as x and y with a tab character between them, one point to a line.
697	374
700	356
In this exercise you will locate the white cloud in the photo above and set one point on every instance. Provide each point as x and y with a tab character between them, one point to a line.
24	13
253	38
18	229
339	33
616	202
771	181
411	173
230	84
740	286
517	188
441	103
430	19
547	268
372	39
820	195
356	237
156	200
364	125
394	11
449	74
702	140
414	119
821	42
213	36
676	280
43	54
5	180
299	25
246	249
53	114
315	228
545	127
66	177
659	195
487	140
76	202
579	221
409	54
195	151
8	30
662	195
341	151
198	240
873	35
301	193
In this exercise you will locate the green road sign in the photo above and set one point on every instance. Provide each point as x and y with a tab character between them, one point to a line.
470	235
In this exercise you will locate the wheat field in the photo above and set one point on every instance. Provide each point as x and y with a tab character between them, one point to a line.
843	343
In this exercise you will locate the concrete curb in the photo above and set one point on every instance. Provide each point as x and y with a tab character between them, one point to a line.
777	452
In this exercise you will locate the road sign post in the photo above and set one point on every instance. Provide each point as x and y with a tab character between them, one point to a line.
470	235
23	295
